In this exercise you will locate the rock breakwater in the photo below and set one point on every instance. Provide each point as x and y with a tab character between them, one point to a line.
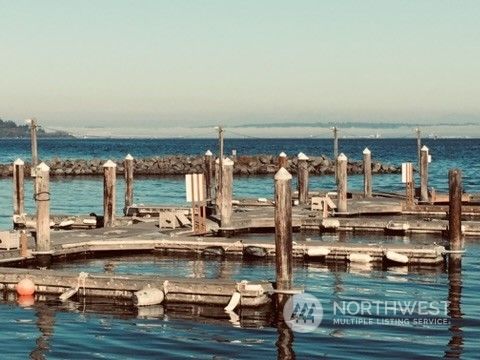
181	165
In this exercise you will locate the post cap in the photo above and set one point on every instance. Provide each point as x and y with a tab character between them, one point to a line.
342	157
366	151
129	157
43	167
424	148
19	162
282	154
227	162
302	156
109	163
208	153
283	174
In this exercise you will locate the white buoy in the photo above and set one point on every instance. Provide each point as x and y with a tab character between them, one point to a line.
359	258
148	296
396	257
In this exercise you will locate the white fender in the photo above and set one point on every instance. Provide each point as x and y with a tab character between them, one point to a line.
148	296
318	251
359	258
234	301
396	257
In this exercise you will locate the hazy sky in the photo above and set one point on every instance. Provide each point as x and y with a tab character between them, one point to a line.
157	63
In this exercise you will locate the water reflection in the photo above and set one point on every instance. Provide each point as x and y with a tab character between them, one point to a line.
46	324
455	345
285	334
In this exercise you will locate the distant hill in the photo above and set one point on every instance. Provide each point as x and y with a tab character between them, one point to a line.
9	129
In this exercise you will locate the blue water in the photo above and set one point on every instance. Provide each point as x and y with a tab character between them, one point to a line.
83	331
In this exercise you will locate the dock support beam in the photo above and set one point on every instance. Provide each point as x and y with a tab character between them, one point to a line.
424	174
18	187
42	198
302	173
342	183
455	209
282	160
109	193
226	193
283	229
208	161
367	173
128	169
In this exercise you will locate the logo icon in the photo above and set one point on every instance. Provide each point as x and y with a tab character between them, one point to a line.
303	313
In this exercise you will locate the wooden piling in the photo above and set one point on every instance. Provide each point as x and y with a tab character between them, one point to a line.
424	174
302	173
33	141
335	151
367	173
282	160
109	193
128	171
218	187
42	199
283	229
208	161
23	243
419	146
407	168
342	183
455	209
226	193
18	187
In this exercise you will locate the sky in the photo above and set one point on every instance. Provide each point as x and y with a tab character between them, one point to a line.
179	67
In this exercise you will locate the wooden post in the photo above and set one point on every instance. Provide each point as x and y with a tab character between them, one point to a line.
42	198
335	150
128	169
407	168
220	150
335	142
283	229
33	140
455	209
18	187
226	193
302	174
424	174
282	160
23	243
208	159
109	194
218	187
342	184
367	173
419	145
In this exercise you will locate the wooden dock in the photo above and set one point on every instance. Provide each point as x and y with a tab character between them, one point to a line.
175	290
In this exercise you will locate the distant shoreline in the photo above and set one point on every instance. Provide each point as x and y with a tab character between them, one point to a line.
234	138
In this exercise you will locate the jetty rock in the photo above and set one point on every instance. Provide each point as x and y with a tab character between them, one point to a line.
183	164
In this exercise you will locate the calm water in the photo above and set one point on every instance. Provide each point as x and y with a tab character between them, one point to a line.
92	331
